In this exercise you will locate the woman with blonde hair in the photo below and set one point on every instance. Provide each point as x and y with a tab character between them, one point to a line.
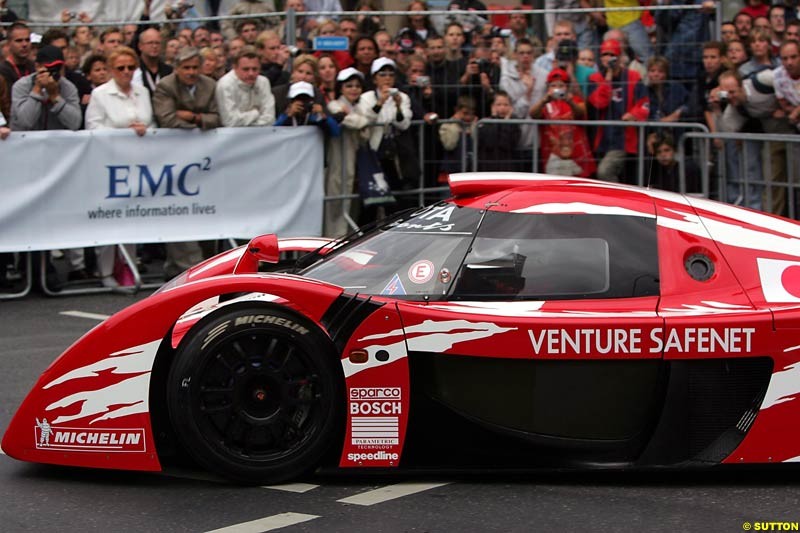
118	103
759	44
304	68
209	63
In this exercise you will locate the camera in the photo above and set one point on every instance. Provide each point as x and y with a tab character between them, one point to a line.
567	51
484	65
55	72
723	96
393	91
72	15
423	81
497	31
559	94
612	61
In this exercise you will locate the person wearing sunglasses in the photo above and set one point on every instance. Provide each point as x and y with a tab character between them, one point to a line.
118	103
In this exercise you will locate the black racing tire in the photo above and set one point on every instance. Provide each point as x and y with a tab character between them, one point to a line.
256	395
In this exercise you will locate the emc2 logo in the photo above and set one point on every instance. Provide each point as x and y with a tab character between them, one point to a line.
124	182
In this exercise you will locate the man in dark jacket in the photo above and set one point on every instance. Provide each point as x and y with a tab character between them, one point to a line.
16	63
496	141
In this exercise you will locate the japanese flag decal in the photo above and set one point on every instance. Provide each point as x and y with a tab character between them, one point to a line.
780	279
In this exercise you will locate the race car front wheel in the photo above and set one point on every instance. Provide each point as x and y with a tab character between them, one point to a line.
256	395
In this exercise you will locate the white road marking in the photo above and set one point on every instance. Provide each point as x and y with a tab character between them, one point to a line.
390	492
81	314
292	487
267	524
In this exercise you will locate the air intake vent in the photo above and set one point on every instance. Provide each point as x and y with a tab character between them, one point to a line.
724	398
345	314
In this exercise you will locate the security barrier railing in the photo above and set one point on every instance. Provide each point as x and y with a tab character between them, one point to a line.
641	176
777	196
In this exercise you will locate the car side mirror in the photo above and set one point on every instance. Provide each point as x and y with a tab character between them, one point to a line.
262	248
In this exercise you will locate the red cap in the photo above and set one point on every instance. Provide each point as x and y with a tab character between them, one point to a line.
612	46
558	74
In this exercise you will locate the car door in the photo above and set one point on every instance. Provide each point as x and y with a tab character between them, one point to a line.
549	328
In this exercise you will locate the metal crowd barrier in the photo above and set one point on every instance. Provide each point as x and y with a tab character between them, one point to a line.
786	190
28	284
641	177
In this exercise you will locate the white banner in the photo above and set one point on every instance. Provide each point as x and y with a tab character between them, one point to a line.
66	189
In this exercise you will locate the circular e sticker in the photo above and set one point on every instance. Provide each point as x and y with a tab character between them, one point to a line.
421	272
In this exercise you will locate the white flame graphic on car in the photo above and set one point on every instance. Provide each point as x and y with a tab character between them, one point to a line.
123	398
429	336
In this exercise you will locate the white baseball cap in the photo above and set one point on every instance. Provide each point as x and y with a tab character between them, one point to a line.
382	62
301	87
348	73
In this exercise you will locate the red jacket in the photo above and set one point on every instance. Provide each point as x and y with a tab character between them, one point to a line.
635	101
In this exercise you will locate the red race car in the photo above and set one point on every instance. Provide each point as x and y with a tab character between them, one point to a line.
529	321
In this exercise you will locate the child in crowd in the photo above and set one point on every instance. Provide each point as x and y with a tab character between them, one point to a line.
450	135
565	148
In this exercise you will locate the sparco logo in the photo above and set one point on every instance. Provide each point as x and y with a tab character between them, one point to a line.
375	393
81	439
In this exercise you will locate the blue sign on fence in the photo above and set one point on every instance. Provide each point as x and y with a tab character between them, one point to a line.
329	43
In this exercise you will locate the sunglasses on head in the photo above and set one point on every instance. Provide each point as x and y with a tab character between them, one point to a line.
129	68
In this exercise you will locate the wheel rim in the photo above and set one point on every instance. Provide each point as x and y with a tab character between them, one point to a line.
258	396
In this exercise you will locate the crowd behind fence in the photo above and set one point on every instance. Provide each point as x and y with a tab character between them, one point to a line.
671	96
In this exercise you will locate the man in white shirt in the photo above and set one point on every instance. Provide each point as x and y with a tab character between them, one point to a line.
244	97
787	82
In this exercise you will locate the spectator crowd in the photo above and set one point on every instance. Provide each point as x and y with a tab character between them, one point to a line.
444	72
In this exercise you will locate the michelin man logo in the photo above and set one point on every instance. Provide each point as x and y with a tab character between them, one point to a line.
45	432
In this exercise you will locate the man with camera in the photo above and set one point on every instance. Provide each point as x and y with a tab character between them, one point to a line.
564	48
304	111
730	104
616	93
45	100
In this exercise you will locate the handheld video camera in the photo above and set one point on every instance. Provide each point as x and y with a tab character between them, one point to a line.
567	51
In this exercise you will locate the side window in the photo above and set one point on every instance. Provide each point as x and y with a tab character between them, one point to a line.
535	257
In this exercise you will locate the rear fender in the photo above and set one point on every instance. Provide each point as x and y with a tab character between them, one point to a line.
91	406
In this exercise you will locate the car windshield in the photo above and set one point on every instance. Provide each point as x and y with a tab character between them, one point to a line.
414	256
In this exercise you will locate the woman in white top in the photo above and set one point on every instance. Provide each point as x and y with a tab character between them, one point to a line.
385	105
340	174
118	104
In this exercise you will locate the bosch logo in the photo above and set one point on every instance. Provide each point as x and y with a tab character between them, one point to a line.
376	408
375	393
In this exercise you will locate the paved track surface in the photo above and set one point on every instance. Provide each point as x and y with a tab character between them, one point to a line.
34	330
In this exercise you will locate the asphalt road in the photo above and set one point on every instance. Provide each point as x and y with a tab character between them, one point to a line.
35	329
